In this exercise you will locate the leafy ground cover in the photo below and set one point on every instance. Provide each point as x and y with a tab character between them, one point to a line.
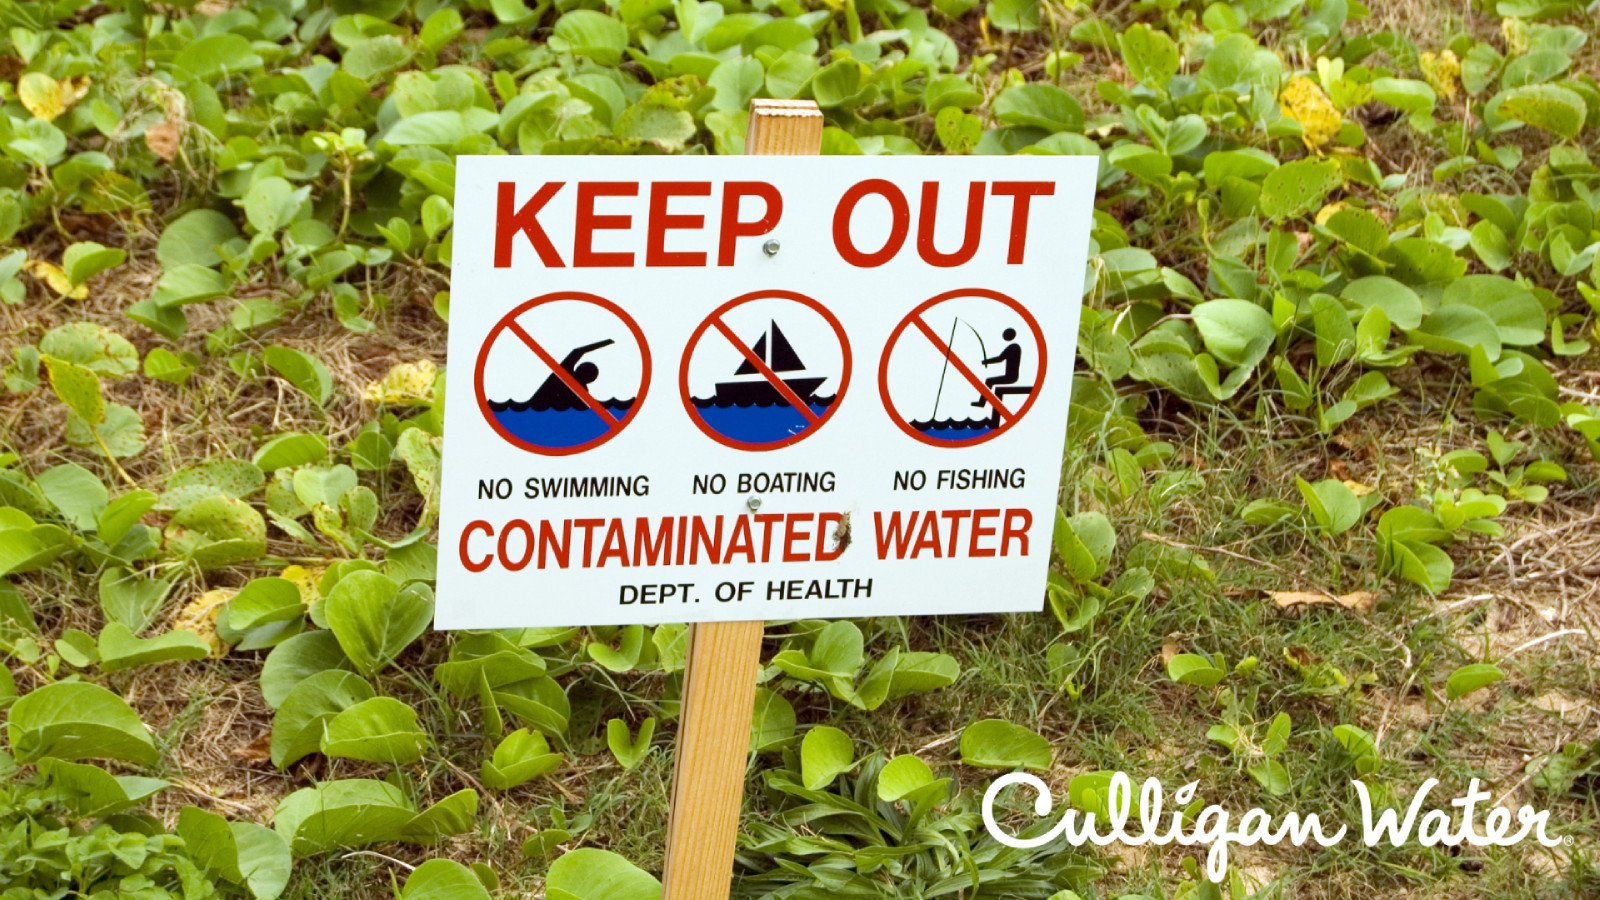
1330	505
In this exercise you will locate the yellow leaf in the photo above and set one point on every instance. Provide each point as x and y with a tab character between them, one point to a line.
306	580
200	617
53	275
1357	488
406	384
1357	601
1303	101
1442	71
1327	212
47	98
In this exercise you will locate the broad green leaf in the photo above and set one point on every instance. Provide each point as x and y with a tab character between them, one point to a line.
297	728
773	722
351	812
217	531
1151	56
1295	188
1231	328
1192	668
272	203
120	648
376	730
302	370
76	720
76	493
825	753
78	388
1470	678
1039	105
193	239
628	750
86	259
584	32
1548	107
241	853
443	879
591	874
521	757
1334	507
230	478
92	792
295	448
92	346
374	619
998	744
901	776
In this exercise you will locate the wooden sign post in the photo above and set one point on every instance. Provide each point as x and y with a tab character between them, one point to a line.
719	678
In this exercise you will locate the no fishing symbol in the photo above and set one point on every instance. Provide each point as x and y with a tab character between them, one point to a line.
962	368
562	373
765	370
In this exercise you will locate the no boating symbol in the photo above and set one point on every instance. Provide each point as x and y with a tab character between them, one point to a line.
765	370
562	373
962	368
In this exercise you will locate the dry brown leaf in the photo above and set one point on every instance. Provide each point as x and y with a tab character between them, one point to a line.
163	139
257	751
1356	601
1170	648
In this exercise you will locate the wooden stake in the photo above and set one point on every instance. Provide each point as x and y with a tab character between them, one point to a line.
719	677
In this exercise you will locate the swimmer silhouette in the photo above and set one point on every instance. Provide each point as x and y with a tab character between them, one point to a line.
554	393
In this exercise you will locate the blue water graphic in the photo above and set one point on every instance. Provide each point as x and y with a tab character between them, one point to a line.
759	424
559	429
953	432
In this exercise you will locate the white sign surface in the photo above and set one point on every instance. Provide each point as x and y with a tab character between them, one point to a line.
729	388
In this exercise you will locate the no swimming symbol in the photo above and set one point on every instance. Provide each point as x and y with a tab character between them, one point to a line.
962	368
562	373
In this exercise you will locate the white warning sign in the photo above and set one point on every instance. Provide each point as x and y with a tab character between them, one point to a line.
729	388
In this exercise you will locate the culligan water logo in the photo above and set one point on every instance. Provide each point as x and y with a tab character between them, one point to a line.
1215	827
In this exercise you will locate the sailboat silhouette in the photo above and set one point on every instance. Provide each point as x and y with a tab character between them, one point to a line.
779	355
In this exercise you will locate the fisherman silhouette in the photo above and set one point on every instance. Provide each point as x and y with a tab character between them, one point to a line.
1012	357
554	392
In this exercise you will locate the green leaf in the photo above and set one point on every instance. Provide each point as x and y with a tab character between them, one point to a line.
1400	303
1151	56
1470	678
375	57
825	754
76	493
1084	543
374	619
1334	507
86	259
217	531
230	478
76	720
376	730
998	744
1233	330
590	874
351	812
297	728
285	451
302	370
518	759
193	239
1547	107
629	751
1039	105
443	879
272	203
121	649
902	776
1014	15
92	346
584	32
78	387
1192	668
91	791
240	853
773	722
736	81
1295	188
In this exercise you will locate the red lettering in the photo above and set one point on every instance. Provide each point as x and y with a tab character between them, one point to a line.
588	222
794	532
897	535
927	216
899	212
1022	194
823	554
1017	523
509	221
979	531
734	227
516	565
661	221
475	525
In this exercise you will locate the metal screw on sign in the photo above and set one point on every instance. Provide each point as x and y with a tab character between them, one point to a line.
719	677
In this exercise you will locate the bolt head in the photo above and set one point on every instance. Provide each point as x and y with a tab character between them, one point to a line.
770	248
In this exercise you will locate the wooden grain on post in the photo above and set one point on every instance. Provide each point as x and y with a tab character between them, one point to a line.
719	682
